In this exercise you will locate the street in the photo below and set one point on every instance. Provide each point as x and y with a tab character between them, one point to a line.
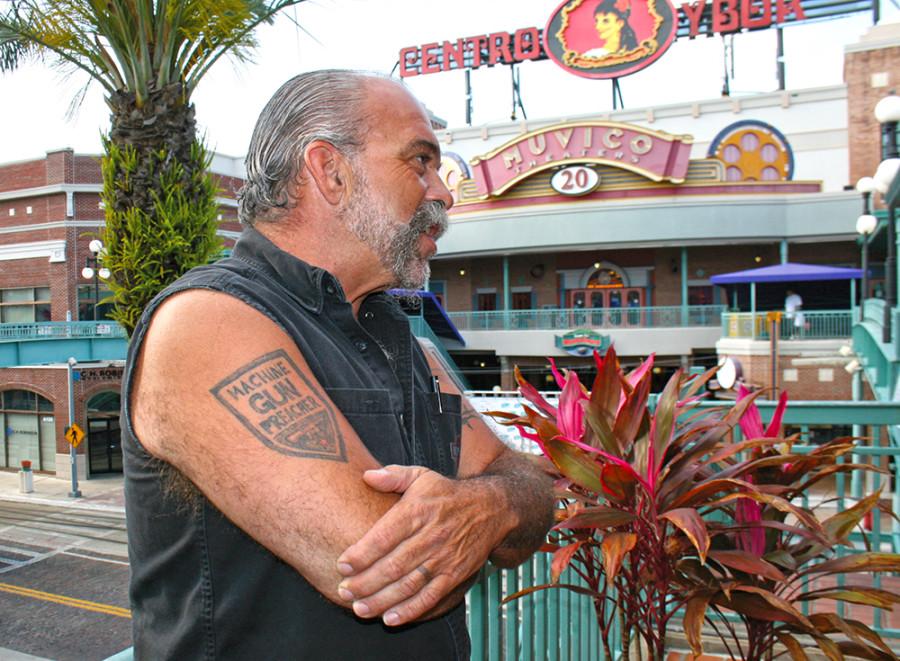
63	581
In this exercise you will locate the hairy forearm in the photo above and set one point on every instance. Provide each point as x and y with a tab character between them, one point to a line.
526	495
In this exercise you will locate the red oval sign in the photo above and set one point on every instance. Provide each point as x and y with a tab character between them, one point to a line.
609	38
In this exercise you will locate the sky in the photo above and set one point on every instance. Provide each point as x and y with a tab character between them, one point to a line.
35	100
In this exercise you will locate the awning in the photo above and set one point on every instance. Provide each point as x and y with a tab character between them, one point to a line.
788	272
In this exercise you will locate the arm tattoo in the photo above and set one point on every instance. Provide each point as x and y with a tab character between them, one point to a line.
279	405
469	414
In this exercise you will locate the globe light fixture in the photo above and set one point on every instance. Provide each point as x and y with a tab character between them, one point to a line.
887	112
93	270
866	224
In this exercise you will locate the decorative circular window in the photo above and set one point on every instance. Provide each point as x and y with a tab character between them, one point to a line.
753	151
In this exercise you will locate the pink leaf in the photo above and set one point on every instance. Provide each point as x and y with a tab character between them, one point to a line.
775	425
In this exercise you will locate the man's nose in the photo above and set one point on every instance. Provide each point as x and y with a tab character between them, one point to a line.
438	191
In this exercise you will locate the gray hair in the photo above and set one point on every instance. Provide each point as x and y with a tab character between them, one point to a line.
320	105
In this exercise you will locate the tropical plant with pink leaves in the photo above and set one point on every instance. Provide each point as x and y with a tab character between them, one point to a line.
667	518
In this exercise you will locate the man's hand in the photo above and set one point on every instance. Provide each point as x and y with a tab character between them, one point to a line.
438	535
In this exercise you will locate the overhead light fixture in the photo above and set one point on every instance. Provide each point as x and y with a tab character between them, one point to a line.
852	367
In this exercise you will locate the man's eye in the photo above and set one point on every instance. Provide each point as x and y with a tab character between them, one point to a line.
424	159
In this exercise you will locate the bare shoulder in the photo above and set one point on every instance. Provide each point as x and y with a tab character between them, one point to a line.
212	366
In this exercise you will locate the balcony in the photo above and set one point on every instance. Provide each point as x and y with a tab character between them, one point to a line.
671	316
55	342
817	325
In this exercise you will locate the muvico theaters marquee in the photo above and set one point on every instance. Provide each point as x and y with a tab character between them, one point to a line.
607	39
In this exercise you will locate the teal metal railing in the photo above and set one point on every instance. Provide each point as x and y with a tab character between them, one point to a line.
813	325
671	316
551	625
61	330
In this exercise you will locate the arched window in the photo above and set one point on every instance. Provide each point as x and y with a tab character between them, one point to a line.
605	278
28	430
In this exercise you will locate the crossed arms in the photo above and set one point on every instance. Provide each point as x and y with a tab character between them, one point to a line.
393	542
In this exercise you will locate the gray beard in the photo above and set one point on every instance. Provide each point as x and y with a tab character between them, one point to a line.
395	244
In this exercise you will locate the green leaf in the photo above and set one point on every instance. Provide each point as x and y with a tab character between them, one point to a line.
614	547
596	517
599	422
747	563
575	464
691	524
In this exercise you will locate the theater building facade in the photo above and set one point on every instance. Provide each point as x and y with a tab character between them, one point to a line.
567	234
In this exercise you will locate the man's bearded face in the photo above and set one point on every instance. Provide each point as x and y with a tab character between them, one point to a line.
396	243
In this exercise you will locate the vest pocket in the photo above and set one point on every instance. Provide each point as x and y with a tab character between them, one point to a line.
439	431
370	413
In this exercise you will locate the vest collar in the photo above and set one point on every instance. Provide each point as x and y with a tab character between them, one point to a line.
308	284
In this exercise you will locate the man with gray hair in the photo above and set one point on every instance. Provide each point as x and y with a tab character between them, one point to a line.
302	479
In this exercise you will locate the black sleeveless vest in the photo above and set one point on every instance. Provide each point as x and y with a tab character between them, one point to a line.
203	589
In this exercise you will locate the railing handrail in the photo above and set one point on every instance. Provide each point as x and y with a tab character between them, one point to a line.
52	330
624	308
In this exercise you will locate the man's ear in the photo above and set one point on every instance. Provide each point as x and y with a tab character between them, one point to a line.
327	170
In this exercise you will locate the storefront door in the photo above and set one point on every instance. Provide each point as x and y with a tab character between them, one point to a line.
603	308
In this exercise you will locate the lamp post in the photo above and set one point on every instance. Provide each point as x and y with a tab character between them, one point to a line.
887	112
93	270
865	225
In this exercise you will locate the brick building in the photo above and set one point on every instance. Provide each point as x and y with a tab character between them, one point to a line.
50	210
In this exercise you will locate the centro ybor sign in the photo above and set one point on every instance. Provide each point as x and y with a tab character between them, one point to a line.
603	38
654	154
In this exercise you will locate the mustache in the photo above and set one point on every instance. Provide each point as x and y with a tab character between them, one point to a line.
430	218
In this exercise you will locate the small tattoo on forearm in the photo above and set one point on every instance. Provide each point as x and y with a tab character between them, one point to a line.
278	404
469	415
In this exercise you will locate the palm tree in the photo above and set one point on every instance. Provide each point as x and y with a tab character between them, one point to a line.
149	56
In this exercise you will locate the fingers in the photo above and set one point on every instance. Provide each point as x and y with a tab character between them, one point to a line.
397	524
393	479
406	599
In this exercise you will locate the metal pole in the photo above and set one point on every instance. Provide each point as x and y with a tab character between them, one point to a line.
73	455
684	286
779	58
468	98
96	292
890	275
865	277
783	249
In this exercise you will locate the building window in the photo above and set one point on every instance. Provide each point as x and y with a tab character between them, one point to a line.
24	306
700	295
486	302
605	278
86	302
522	300
28	430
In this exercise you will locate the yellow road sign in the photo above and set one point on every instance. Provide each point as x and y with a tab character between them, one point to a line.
74	435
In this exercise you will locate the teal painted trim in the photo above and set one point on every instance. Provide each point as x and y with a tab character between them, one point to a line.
507	295
783	250
684	286
670	316
818	325
511	619
495	644
477	604
753	329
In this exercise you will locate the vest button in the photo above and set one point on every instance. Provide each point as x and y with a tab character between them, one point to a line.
369	315
329	289
362	346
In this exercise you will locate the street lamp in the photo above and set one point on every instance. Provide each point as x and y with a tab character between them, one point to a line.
93	270
887	112
865	225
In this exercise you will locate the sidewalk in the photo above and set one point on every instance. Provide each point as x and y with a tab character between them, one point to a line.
99	493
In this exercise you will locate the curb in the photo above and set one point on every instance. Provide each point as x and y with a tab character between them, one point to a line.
59	502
